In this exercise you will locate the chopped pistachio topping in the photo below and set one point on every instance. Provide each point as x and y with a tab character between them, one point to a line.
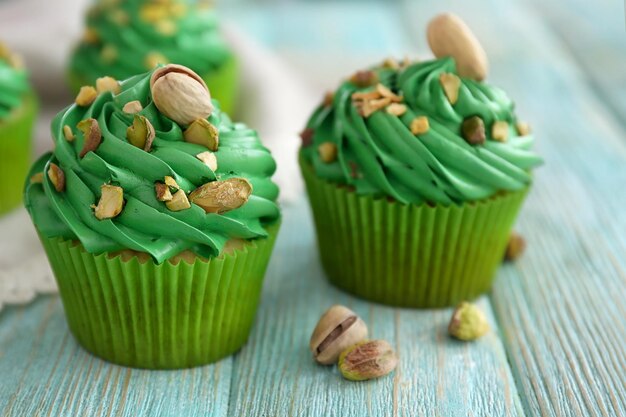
104	84
451	84
222	195
111	202
68	134
141	133
523	128
473	130
396	109
92	135
328	152
132	107
178	202
57	177
162	192
86	96
500	131
420	125
209	159
202	132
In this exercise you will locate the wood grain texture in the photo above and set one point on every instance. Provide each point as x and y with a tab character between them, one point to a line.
43	372
560	308
275	374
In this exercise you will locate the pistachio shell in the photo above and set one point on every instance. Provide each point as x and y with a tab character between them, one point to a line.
338	328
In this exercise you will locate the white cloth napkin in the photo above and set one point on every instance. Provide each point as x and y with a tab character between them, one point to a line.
273	99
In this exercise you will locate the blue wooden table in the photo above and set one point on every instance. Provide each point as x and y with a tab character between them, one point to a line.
558	345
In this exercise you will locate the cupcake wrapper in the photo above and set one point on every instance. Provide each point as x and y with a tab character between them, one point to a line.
15	150
222	83
166	316
409	255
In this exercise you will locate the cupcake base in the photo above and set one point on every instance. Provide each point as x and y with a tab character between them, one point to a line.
222	83
15	152
169	316
409	255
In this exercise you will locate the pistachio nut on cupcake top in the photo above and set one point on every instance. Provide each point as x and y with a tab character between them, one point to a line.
152	165
429	131
124	38
14	85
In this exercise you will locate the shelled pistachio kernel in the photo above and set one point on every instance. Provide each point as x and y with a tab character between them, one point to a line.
141	133
91	134
132	107
451	84
500	131
364	78
222	196
91	36
111	202
162	192
307	136
367	360
171	182
387	93
68	134
104	84
202	132
369	107
57	177
396	109
420	125
523	128
327	152
337	329
178	202
515	248
391	63
209	159
166	27
36	178
468	322
473	130
86	96
153	59
108	53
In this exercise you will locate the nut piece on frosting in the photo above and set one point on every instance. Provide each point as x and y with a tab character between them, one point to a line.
202	132
104	84
132	107
178	202
111	202
180	94
68	134
420	125
222	195
92	135
57	177
86	96
337	329
163	192
209	159
141	133
473	130
451	84
522	128
171	182
328	152
500	131
448	35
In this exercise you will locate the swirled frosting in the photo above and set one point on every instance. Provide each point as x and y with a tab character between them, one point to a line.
14	85
145	223
124	38
379	154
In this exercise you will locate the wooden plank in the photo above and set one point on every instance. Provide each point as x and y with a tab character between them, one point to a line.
561	307
275	374
594	33
43	372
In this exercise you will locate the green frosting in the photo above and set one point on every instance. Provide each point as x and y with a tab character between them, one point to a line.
14	85
146	224
124	38
379	155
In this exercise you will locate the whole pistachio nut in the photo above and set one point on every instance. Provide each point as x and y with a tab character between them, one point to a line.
468	322
222	195
367	360
338	328
180	94
448	35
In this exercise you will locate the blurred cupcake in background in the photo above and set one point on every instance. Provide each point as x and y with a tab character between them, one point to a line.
125	38
18	108
158	215
415	174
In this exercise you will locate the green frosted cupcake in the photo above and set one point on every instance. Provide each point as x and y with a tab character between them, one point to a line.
124	38
415	175
18	108
158	215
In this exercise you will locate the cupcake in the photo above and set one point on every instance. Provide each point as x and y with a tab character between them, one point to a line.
158	215
18	107
415	174
125	38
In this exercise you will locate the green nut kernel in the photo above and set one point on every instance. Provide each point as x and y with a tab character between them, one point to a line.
468	322
367	360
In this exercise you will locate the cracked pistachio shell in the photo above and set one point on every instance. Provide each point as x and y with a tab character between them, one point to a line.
338	328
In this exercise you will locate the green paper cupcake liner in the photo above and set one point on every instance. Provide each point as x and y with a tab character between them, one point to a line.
15	152
169	316
222	83
409	255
